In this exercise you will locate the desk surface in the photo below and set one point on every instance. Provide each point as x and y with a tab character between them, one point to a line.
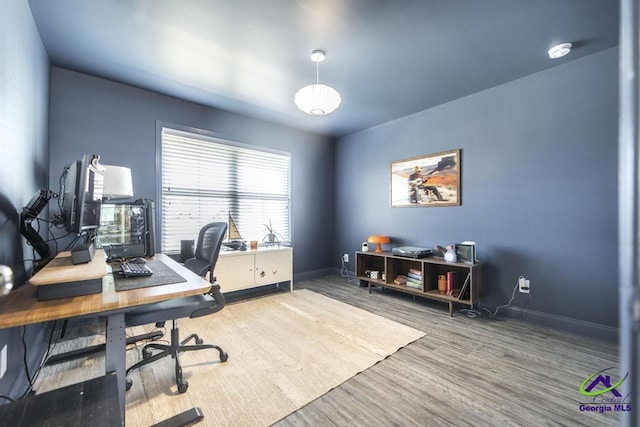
21	307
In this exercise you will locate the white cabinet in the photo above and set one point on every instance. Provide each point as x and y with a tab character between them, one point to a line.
234	272
237	270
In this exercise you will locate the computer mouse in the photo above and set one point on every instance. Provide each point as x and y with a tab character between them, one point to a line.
139	260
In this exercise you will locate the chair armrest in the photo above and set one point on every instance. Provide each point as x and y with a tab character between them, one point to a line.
218	302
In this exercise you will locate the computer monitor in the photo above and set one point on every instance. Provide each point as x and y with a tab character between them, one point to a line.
82	194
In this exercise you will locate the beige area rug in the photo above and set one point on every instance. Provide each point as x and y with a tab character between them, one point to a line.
284	351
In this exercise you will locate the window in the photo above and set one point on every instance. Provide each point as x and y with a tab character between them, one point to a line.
204	179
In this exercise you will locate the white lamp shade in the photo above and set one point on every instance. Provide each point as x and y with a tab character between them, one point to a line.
317	99
117	182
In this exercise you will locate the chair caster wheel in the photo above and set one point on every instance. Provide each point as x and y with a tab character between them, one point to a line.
223	357
199	341
128	383
182	387
146	354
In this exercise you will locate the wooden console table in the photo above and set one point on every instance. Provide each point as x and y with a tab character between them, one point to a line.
388	266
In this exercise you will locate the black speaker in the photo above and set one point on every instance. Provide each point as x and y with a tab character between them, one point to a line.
83	254
187	249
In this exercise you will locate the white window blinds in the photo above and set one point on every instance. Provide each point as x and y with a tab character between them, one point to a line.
204	179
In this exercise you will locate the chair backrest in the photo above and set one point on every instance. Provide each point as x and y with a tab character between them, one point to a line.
207	249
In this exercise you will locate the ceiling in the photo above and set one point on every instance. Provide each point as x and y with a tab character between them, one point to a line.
388	59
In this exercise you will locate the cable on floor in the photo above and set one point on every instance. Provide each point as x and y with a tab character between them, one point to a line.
475	313
344	272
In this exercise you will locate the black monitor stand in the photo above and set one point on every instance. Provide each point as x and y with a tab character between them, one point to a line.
28	214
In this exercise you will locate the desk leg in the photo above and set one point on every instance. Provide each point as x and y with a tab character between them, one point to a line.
115	354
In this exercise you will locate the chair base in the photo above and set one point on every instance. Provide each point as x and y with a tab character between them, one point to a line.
174	349
185	418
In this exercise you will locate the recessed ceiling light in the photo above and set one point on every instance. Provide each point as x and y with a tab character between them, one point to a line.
559	50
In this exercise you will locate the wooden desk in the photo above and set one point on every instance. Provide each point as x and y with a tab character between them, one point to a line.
21	307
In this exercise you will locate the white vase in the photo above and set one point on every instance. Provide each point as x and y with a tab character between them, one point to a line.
450	255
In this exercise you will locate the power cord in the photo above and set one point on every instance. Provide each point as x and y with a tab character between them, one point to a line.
45	356
344	271
471	312
513	296
136	345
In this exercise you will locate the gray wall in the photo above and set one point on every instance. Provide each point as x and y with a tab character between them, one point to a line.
117	121
539	189
24	91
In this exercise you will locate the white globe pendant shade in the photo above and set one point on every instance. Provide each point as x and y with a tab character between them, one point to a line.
317	99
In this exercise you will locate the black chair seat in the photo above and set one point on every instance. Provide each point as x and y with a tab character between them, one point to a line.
172	309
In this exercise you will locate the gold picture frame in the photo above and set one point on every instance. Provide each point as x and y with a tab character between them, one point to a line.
426	181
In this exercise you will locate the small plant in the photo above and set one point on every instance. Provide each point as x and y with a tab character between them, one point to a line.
272	237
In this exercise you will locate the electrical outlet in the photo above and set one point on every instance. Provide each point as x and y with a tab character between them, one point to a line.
3	361
345	257
524	285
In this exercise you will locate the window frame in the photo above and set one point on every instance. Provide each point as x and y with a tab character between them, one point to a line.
205	135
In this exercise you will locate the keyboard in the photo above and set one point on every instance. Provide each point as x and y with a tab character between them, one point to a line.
131	269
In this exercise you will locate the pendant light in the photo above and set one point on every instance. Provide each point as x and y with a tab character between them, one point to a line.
317	99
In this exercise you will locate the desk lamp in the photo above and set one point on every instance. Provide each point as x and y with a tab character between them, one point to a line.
379	240
117	183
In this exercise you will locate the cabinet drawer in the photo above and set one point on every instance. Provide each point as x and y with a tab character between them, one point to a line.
273	267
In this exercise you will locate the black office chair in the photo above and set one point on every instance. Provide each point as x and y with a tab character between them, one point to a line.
207	250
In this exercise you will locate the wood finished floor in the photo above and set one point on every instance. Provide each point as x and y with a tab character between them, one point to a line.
465	371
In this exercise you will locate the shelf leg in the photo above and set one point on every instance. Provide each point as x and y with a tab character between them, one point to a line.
369	285
451	309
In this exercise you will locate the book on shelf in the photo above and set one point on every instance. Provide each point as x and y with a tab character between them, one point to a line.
413	281
414	285
414	276
415	271
400	280
454	281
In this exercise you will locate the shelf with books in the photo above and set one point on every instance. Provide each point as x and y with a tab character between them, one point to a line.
420	277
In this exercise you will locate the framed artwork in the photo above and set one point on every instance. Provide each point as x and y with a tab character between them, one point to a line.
466	252
430	180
